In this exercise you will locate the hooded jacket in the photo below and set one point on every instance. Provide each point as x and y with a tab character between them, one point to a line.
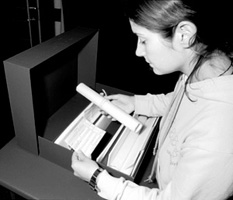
195	156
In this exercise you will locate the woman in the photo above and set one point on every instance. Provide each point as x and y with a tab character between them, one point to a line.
194	159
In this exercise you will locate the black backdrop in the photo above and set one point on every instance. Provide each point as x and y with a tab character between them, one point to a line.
117	64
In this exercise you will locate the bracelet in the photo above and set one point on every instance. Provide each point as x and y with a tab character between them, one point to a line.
92	183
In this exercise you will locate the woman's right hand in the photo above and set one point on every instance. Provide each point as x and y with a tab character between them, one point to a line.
124	102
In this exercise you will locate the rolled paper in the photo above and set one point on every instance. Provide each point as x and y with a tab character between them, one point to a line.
106	105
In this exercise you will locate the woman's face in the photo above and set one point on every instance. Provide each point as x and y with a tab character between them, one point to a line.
163	56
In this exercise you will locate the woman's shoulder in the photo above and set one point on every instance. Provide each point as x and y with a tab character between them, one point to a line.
214	130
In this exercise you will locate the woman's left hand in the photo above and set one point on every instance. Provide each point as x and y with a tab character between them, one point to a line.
83	166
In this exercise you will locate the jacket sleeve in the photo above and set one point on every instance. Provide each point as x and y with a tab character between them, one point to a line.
152	105
201	174
204	169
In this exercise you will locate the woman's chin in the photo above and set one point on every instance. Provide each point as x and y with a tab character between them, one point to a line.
156	71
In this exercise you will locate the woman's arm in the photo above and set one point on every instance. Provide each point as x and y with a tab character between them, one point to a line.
149	105
152	105
201	174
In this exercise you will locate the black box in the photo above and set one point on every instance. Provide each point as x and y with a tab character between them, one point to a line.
41	84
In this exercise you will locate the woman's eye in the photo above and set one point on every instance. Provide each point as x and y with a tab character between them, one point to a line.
142	41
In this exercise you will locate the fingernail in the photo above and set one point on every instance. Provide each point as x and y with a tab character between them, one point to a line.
105	93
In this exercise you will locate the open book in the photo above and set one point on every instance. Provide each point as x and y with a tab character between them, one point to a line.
124	149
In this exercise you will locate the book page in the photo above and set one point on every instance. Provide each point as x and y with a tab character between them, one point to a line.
85	137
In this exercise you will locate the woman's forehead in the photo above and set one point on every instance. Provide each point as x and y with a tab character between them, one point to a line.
137	29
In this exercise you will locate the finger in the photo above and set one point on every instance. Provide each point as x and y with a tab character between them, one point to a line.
112	97
75	157
103	112
110	117
81	155
105	93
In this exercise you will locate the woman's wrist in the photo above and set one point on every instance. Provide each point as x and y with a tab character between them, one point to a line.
93	179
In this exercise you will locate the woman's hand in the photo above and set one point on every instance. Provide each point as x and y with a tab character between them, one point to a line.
83	166
124	102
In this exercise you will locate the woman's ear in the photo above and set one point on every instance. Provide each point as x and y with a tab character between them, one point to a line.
184	34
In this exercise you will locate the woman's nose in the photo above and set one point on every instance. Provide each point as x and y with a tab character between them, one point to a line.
140	50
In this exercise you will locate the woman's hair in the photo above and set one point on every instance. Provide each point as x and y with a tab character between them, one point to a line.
212	19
